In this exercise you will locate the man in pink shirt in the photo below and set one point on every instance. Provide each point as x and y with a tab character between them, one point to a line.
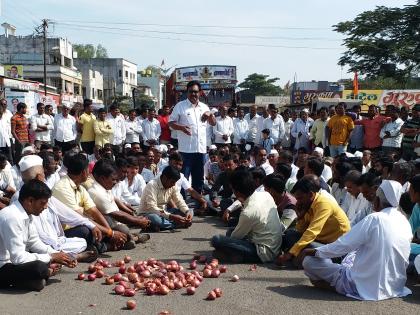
372	127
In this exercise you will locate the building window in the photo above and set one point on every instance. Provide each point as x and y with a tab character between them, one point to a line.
100	96
93	92
67	62
126	74
84	92
119	73
93	74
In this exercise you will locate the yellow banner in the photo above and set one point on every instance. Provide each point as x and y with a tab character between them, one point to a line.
368	97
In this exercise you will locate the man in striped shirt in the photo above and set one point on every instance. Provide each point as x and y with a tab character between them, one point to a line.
20	130
410	130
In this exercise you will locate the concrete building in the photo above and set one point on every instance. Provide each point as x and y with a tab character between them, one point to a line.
93	85
27	52
119	75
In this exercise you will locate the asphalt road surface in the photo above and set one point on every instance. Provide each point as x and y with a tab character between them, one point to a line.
267	290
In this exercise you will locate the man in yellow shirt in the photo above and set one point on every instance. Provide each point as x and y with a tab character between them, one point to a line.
102	128
85	126
339	129
320	220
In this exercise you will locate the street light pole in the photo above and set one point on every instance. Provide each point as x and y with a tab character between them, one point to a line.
44	31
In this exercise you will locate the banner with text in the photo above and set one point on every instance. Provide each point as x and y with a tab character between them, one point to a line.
368	97
400	98
306	97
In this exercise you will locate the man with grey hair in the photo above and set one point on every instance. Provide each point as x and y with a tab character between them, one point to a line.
378	248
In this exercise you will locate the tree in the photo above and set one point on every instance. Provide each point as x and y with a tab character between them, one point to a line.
259	84
90	51
383	42
381	83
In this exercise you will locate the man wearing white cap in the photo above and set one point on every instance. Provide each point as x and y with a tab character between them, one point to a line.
378	248
49	224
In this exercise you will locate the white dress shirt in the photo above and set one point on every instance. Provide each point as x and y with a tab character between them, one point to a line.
302	127
240	130
275	126
7	116
287	140
268	169
151	130
137	186
352	205
64	128
224	126
121	192
260	127
118	126
52	180
133	130
394	128
4	131
185	113
252	126
381	242
42	120
19	241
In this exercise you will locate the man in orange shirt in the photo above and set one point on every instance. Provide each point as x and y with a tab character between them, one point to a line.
372	128
339	129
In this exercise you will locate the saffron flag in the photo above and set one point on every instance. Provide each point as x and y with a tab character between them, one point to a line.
355	85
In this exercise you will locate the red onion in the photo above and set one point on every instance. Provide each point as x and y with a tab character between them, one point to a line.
122	269
173	262
190	290
117	277
126	285
235	278
131	304
133	277
99	274
193	264
163	290
150	291
119	263
129	292
171	285
81	276
207	273
196	283
92	277
215	273
109	280
223	269
92	268
119	290
124	278
211	296
145	274
139	285
218	292
178	285
127	259
213	265
131	269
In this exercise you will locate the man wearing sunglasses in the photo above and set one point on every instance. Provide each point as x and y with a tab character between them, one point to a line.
190	117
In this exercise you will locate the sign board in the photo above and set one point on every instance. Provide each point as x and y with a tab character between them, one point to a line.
20	85
13	71
205	73
281	100
400	98
306	97
13	98
367	97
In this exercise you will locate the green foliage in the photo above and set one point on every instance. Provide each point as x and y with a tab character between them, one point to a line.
259	84
382	83
383	42
90	51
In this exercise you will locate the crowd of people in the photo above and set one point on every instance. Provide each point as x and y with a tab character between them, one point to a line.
334	193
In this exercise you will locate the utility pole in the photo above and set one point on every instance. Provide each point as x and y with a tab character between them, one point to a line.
44	31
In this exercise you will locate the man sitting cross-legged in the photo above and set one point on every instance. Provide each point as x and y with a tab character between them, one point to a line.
25	261
258	235
154	200
378	248
320	220
81	235
105	175
69	190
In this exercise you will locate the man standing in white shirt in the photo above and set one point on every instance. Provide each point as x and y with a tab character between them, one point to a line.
24	259
240	130
286	142
151	129
42	124
133	128
391	132
5	143
275	124
223	128
252	118
378	248
65	129
190	118
116	119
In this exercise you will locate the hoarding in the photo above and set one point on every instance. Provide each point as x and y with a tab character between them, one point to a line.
306	97
13	71
205	73
400	98
367	97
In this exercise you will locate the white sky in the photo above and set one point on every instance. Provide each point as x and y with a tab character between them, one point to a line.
309	64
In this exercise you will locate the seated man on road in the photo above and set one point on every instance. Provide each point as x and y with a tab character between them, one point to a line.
286	204
105	175
368	184
320	220
69	190
25	261
354	200
120	189
379	247
80	239
258	235
154	200
7	187
134	181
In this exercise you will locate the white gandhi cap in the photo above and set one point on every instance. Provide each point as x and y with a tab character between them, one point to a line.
29	161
